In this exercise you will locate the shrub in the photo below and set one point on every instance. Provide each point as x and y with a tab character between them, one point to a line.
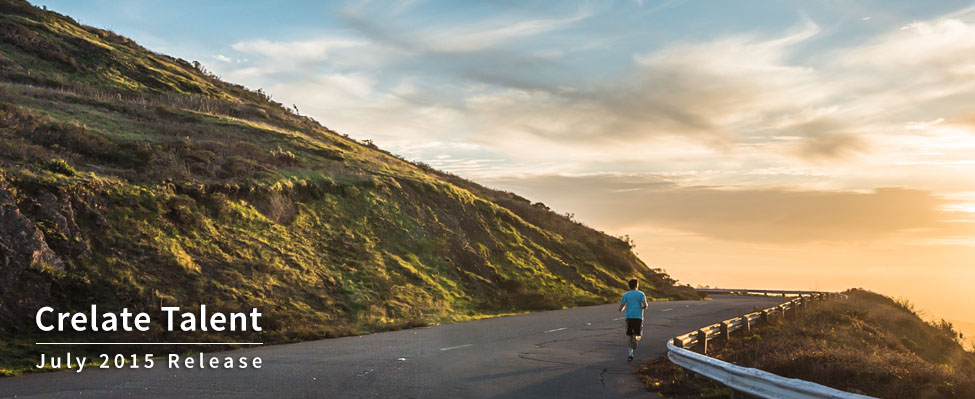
284	157
58	165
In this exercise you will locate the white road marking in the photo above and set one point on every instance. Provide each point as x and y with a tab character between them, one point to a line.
456	347
557	329
667	310
618	318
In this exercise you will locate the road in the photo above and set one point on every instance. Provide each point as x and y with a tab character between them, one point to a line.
566	353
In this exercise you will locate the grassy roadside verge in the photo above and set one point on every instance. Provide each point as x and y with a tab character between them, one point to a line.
868	344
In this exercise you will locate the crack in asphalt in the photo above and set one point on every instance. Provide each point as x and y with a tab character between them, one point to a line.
525	356
544	344
602	376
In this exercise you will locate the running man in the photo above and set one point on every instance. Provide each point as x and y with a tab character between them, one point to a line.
634	301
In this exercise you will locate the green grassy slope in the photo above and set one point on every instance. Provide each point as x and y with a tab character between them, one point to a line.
130	178
869	344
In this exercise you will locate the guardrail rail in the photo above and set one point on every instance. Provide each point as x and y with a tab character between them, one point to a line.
743	379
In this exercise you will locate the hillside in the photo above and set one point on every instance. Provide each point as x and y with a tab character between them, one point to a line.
868	344
131	178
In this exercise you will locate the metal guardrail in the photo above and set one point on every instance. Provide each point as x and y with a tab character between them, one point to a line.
753	381
749	380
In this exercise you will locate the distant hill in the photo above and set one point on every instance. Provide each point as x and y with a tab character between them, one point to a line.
131	178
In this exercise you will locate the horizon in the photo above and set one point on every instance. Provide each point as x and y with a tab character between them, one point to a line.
726	141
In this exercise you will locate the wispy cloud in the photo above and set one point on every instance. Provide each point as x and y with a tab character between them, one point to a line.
291	54
493	33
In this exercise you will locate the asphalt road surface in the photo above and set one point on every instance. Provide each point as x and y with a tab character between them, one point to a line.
568	353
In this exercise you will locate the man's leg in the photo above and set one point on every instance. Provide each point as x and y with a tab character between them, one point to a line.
631	333
635	338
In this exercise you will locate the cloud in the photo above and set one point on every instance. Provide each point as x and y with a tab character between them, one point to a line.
493	33
489	32
928	66
295	51
721	92
712	91
715	93
761	215
830	146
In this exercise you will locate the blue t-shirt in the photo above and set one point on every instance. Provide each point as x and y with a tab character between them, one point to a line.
633	300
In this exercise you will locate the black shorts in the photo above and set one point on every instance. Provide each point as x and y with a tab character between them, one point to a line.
634	327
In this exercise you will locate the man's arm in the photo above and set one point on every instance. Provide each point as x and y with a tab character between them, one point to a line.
622	304
644	304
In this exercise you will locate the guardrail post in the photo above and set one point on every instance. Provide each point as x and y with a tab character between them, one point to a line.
678	343
765	316
746	324
702	340
782	308
725	331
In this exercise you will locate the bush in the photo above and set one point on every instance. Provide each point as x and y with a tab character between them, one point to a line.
284	157
61	166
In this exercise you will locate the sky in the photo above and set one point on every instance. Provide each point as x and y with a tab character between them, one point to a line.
779	144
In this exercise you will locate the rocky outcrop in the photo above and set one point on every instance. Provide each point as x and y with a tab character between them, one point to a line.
23	255
22	245
69	241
